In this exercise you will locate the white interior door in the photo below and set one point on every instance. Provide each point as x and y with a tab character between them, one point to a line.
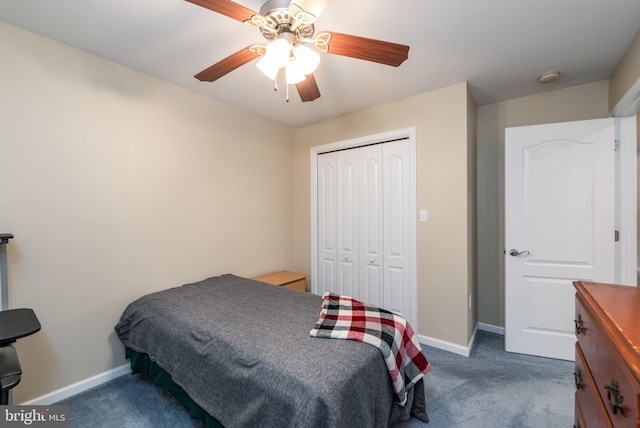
559	227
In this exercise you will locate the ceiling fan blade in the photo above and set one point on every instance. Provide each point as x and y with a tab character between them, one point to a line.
366	49
227	8
308	89
227	65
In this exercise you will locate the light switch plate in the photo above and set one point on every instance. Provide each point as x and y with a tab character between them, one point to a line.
424	216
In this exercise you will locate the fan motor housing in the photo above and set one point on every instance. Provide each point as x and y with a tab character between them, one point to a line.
278	20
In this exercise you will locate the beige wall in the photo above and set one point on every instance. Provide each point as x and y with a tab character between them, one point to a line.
626	74
443	169
589	101
116	184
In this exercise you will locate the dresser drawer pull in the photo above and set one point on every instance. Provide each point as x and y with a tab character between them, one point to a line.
580	329
615	398
577	377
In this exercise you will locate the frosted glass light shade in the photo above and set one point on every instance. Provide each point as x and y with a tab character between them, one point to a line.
304	61
279	52
268	67
294	73
308	59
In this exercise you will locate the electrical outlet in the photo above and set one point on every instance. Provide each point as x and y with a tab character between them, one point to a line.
470	300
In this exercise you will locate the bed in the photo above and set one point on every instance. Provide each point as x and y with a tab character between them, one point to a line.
241	351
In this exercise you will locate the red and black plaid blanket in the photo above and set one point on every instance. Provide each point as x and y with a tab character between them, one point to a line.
342	317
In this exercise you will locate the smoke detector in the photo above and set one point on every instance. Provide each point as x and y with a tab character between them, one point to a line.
549	76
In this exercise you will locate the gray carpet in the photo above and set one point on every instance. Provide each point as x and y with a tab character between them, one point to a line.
491	388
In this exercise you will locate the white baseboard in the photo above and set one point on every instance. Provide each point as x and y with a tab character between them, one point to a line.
78	387
459	349
448	346
472	340
491	328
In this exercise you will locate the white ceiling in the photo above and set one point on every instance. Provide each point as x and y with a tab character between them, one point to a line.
499	46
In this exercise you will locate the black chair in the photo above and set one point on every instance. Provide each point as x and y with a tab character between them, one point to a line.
14	324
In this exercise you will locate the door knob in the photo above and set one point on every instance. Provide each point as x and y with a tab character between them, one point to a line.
513	252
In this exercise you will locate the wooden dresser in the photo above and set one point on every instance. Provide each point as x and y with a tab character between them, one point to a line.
607	371
285	278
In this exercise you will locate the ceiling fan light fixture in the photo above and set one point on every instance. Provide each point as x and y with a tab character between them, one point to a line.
278	52
294	73
277	55
307	59
298	62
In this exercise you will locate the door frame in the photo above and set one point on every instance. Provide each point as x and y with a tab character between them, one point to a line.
626	201
410	135
626	110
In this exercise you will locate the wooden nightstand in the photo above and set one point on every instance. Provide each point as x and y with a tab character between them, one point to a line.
284	278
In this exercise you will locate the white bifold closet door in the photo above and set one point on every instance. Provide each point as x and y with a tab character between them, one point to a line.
363	224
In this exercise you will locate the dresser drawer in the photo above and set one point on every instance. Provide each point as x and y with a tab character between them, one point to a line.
579	420
613	380
587	396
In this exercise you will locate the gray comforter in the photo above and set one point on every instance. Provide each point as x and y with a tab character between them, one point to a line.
241	349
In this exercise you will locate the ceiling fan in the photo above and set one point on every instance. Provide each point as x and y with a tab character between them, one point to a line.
287	25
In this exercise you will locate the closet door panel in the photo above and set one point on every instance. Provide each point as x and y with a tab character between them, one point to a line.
371	224
395	287
327	231
397	218
347	223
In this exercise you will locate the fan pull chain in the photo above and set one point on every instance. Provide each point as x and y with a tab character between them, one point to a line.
275	87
